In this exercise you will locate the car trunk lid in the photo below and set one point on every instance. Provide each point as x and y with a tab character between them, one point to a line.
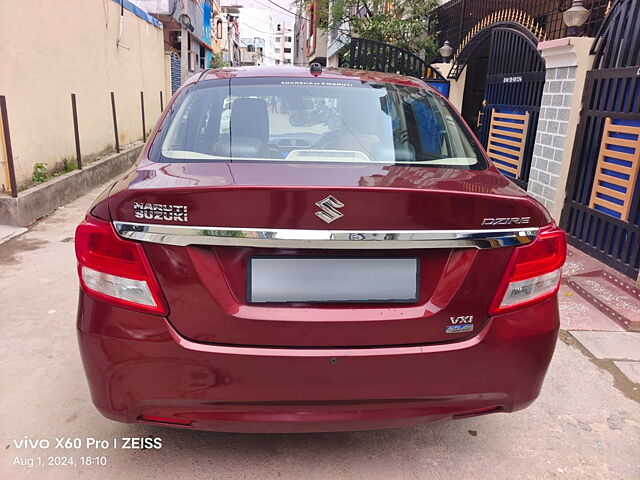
206	281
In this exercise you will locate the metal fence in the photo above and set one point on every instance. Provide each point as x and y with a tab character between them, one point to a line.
454	19
377	56
602	210
7	148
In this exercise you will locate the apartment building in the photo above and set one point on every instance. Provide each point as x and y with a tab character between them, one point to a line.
256	32
282	44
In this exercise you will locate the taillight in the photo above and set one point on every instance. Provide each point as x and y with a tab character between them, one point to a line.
116	270
534	271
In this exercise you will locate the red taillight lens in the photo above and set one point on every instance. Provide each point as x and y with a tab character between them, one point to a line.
534	271
116	270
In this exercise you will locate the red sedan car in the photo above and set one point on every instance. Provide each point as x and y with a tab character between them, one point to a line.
302	250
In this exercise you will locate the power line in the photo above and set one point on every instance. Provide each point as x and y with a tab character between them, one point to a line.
270	34
255	18
297	15
283	9
286	10
275	34
257	30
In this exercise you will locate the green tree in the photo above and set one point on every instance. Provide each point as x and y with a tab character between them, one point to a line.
402	23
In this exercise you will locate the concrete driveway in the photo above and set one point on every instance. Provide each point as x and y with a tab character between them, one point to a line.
582	426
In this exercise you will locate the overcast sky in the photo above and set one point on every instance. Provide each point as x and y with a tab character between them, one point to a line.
276	12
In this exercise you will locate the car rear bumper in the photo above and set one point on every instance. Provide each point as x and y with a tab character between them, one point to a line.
137	366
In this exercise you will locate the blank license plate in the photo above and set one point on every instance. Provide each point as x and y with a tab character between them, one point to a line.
296	279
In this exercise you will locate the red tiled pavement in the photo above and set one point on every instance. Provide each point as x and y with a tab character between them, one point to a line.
576	313
593	296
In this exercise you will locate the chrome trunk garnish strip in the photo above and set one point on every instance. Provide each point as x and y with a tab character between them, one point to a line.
182	235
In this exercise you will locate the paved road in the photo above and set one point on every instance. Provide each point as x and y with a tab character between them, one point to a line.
581	427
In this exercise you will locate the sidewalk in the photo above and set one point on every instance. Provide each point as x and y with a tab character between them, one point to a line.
600	309
7	232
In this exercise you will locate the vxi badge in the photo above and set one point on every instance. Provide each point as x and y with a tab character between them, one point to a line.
158	211
463	323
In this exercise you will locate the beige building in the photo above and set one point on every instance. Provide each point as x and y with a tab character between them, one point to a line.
216	27
83	47
309	43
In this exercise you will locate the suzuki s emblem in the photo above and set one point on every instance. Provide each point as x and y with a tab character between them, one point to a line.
329	206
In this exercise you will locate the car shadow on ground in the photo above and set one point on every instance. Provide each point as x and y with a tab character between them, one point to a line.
376	443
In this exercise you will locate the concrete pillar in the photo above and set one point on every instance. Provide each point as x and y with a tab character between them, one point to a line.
332	61
456	87
567	62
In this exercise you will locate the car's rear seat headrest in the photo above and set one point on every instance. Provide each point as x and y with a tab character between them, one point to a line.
250	118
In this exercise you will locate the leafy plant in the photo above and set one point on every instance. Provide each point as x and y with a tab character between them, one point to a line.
402	23
216	61
40	173
69	165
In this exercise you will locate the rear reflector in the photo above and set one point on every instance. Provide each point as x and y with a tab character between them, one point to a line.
116	270
534	271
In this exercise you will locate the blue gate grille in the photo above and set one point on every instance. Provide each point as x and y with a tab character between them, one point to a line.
604	229
175	72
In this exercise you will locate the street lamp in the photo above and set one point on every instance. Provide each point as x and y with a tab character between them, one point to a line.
575	17
446	50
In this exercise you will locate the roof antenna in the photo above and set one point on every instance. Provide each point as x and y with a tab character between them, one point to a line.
316	69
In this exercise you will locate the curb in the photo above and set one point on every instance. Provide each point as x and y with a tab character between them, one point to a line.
43	199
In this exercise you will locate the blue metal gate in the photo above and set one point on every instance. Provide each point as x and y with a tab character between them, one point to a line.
601	214
515	81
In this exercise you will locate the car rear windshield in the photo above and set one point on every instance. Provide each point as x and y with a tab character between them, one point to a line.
314	121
